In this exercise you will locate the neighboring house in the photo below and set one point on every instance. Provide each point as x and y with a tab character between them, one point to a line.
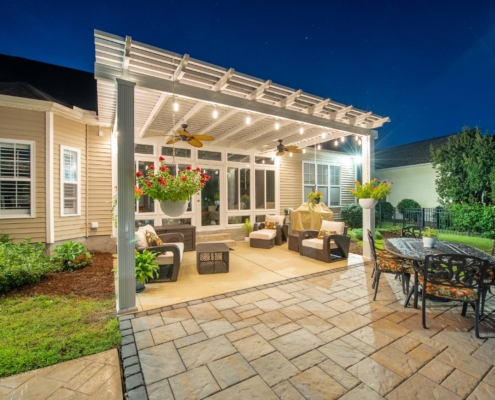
58	146
409	168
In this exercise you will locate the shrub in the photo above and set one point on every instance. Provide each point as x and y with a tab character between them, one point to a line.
4	238
23	263
475	218
357	234
352	215
407	203
397	230
73	255
385	209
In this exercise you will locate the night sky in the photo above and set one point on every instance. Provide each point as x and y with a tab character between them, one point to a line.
428	65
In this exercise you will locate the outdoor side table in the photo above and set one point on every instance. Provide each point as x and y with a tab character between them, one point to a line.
294	242
212	258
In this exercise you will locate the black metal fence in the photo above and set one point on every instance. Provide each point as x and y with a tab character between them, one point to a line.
436	218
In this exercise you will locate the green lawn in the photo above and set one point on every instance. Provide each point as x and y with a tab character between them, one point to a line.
40	331
480	243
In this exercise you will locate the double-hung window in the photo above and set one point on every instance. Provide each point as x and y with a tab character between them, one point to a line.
326	180
70	181
16	179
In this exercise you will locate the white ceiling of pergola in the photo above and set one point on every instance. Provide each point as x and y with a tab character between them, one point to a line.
200	87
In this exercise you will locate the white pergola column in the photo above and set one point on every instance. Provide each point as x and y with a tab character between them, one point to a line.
125	191
368	158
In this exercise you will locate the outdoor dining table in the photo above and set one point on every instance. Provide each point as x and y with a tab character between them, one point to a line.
413	249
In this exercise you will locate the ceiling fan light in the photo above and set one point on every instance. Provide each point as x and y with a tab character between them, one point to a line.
215	114
248	120
277	126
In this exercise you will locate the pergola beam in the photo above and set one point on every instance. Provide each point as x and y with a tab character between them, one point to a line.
262	132
181	68
258	92
193	111
127	57
359	118
289	100
224	81
318	139
238	128
340	113
219	120
377	123
154	113
318	107
281	135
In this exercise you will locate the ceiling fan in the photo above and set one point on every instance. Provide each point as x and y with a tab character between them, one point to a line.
281	149
185	136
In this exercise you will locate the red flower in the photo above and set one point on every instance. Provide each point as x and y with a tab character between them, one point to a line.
139	174
202	181
188	168
198	169
391	183
163	168
148	183
161	159
162	181
152	167
184	178
168	169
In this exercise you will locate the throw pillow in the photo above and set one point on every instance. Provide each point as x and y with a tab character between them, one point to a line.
153	239
322	233
141	238
270	225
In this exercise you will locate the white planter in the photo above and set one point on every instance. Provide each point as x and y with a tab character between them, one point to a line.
246	239
173	208
368	203
429	242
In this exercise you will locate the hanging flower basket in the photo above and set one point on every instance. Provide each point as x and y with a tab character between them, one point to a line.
368	203
173	208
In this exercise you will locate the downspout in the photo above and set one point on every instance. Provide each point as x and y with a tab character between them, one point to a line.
87	181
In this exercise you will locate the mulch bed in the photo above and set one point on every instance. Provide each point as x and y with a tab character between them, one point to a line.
95	281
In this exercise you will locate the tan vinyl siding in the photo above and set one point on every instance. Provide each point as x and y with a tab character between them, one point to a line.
291	177
23	124
72	134
416	182
99	181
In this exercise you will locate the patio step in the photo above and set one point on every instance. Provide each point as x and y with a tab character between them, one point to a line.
215	237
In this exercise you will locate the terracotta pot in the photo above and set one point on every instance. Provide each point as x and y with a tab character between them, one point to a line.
367	203
429	242
173	208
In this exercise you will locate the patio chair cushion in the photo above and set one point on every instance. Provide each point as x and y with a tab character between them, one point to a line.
153	239
266	234
168	256
449	292
394	265
322	233
317	244
277	219
338	227
140	235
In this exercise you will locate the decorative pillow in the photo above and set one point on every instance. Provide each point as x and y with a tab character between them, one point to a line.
271	225
141	238
153	239
322	233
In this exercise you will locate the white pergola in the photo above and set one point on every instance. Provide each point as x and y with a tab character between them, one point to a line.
138	84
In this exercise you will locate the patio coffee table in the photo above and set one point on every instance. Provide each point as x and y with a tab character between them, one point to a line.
212	258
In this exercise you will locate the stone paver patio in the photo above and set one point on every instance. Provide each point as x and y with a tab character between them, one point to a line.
93	377
315	337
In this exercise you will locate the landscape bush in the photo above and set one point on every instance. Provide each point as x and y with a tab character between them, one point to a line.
473	218
72	255
357	234
23	263
406	204
352	215
385	210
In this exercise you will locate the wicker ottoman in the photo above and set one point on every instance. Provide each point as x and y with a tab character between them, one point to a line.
212	258
294	242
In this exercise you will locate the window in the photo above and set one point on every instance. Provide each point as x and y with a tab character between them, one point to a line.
144	222
237	219
239	188
143	149
70	181
238	158
145	204
327	182
16	179
264	189
169	152
176	221
264	160
209	155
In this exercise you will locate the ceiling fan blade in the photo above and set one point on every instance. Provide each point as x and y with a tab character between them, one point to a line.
291	148
203	137
174	140
280	153
182	132
296	151
194	142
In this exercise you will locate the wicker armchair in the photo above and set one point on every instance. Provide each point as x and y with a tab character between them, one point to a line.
331	248
170	256
262	238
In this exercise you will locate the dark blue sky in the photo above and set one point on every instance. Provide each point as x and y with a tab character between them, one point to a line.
429	65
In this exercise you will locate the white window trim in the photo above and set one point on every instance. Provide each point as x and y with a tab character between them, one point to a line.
62	181
32	179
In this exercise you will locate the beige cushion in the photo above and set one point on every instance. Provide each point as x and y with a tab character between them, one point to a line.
333	226
317	244
279	219
168	256
266	234
141	238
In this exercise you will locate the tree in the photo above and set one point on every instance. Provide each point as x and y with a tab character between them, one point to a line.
466	168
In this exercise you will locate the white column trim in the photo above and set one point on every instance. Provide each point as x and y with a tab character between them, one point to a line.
49	218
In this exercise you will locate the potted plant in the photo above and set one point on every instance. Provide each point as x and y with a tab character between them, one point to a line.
173	192
247	228
313	199
430	236
372	191
146	268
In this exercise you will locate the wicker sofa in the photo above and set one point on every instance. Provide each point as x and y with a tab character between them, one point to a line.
331	248
262	238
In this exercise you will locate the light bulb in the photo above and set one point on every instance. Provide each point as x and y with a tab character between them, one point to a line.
277	125
319	147
176	106
336	143
323	135
356	138
290	154
359	142
248	120
215	113
301	130
263	161
342	139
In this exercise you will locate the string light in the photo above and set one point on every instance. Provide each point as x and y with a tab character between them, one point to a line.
360	142
277	126
248	120
304	151
290	154
176	106
356	138
336	143
342	139
215	113
301	130
318	147
324	135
